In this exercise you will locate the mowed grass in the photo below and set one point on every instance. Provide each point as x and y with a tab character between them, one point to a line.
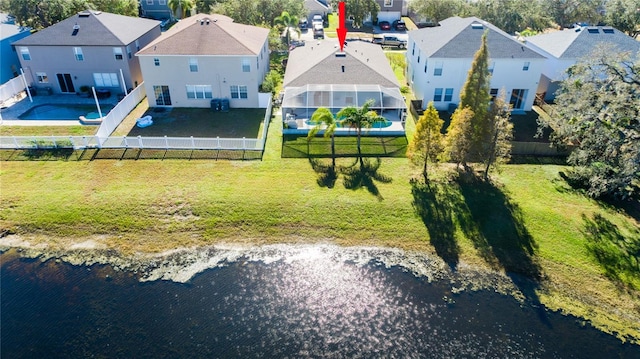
577	252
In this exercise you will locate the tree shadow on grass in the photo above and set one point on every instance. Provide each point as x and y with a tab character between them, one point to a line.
365	174
327	173
436	204
617	253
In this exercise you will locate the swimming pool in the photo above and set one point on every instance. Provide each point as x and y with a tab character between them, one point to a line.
377	124
66	112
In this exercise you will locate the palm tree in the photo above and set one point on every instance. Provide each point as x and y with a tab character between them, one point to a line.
359	118
323	118
180	7
288	21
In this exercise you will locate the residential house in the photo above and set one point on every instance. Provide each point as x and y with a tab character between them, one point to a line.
155	9
320	75
9	62
391	10
566	47
206	57
439	59
316	7
91	48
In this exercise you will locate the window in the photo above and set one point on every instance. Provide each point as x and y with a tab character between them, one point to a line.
117	52
137	45
163	96
156	61
199	91
492	65
193	64
418	57
128	52
246	67
525	67
518	97
437	95
425	67
162	2
238	91
437	71
105	79
448	94
413	49
42	77
388	3
494	94
24	51
78	53
149	2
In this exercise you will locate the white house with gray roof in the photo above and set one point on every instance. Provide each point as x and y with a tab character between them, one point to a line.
206	57
90	48
319	75
566	47
439	59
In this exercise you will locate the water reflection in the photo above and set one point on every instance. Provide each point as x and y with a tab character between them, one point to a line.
309	301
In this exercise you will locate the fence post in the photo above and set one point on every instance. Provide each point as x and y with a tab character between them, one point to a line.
244	146
193	144
218	145
140	141
84	141
124	138
35	142
73	142
15	141
166	142
55	144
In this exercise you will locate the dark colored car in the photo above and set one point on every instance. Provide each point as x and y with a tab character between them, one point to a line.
399	25
424	24
384	25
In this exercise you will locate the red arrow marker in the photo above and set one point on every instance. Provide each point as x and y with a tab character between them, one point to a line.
341	30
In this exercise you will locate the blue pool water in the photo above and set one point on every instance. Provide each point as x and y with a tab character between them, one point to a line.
378	124
66	112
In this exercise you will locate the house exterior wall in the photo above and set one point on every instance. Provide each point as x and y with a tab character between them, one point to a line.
508	74
390	10
9	62
53	60
155	9
219	72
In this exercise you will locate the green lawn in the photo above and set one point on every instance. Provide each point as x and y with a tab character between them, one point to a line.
577	252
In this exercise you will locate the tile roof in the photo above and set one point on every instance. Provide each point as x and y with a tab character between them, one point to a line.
579	42
205	34
95	28
317	63
458	37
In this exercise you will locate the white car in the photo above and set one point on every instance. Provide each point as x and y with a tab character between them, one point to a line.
317	19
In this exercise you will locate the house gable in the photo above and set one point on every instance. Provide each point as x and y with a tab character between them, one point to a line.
205	34
580	42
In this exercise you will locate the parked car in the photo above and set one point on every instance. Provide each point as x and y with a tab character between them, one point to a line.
390	40
317	19
384	25
302	24
377	39
318	31
399	25
424	24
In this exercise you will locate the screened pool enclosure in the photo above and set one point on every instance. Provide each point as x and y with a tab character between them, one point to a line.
299	103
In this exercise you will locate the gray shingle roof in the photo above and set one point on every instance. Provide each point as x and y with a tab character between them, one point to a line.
221	36
316	63
95	29
461	37
576	43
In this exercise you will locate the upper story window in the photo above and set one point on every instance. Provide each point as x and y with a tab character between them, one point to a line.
162	2
448	94
77	51
42	77
246	66
388	3
525	67
24	52
149	2
437	71
494	94
193	64
156	61
117	52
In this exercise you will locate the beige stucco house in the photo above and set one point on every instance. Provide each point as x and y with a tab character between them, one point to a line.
90	48
203	58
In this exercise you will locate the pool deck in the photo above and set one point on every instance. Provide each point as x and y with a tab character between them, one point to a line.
9	115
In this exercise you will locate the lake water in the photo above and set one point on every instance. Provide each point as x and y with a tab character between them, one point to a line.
310	302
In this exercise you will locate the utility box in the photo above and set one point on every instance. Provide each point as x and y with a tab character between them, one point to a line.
215	104
224	105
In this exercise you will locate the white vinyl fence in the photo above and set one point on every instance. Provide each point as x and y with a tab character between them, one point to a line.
11	88
113	119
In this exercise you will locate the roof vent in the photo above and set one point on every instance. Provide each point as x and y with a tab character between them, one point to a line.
97	12
593	31
76	28
84	14
341	54
208	21
342	68
476	25
201	22
607	31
